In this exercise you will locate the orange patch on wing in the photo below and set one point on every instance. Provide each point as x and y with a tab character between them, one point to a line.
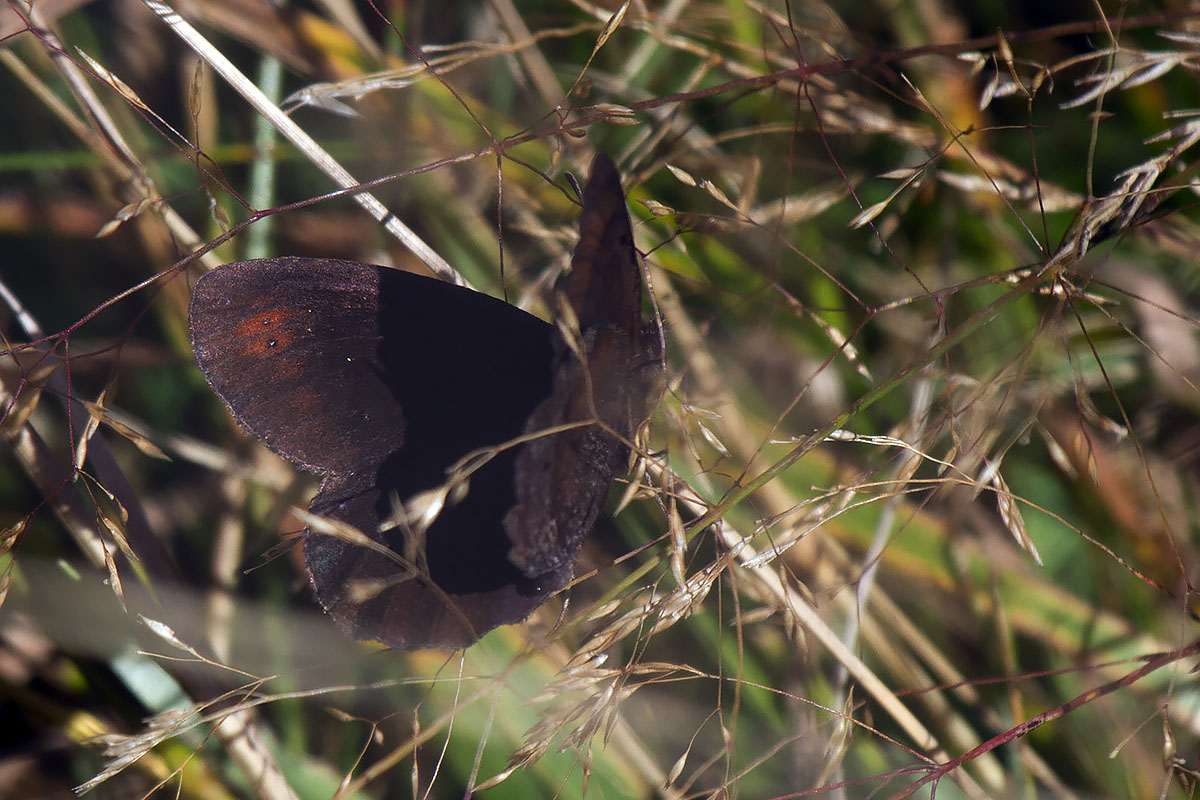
266	333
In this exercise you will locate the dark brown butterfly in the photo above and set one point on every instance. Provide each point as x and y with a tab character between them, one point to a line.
382	380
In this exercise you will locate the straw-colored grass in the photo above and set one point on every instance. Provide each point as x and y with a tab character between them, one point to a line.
917	512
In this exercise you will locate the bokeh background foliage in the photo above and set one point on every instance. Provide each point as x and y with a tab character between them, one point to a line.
918	509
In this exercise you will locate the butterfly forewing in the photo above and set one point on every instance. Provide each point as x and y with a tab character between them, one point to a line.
605	385
326	361
293	349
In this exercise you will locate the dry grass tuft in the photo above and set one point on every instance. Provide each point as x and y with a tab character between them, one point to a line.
920	505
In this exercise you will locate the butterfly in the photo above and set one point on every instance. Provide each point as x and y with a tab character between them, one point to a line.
382	381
